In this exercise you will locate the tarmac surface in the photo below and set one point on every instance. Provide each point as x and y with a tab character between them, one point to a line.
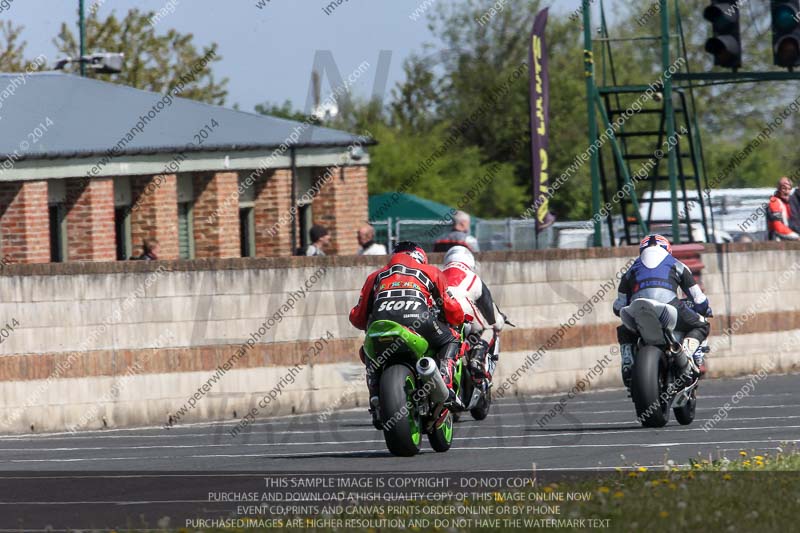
147	472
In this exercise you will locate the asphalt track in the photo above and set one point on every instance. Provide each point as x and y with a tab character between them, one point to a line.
150	478
598	430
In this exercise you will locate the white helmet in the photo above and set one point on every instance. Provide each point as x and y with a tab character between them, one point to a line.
460	254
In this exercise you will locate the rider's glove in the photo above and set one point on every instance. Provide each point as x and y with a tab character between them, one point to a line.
702	309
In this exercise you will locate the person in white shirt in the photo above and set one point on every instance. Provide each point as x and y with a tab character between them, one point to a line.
366	239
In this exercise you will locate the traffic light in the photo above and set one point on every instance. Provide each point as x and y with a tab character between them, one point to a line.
786	32
726	44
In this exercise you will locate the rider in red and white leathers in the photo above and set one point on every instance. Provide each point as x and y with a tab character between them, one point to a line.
481	313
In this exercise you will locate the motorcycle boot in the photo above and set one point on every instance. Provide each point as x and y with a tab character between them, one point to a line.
477	365
626	356
690	346
447	363
373	386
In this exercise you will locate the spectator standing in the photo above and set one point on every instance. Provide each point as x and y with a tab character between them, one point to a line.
149	251
320	239
459	235
366	239
779	213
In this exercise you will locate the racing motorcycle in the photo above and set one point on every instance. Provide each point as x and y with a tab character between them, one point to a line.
657	385
412	392
477	399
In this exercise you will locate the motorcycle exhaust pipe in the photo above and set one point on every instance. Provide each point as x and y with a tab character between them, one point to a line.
428	370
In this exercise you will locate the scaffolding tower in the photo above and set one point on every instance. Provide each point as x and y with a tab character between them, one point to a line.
646	140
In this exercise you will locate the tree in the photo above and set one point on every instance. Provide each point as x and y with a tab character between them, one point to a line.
483	56
415	101
154	62
12	50
451	176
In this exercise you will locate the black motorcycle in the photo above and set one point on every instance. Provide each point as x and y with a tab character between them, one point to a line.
657	385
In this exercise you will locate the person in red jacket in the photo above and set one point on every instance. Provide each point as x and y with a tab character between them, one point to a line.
779	213
413	293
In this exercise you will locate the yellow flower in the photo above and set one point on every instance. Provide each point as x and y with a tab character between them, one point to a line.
642	469
548	489
655	483
632	474
726	476
743	453
758	457
697	465
663	514
604	490
619	494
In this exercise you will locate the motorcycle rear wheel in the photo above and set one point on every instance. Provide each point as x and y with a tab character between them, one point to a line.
685	415
652	409
401	424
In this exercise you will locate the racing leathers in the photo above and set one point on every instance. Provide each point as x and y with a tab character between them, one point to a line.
483	316
656	276
414	295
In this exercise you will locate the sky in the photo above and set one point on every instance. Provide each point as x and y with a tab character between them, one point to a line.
268	54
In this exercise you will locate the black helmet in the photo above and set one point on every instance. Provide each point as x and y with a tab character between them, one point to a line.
413	249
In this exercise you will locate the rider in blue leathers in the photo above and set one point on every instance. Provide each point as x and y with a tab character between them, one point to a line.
656	276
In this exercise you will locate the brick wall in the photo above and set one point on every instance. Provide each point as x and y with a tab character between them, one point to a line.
90	220
24	223
154	213
342	206
216	215
273	201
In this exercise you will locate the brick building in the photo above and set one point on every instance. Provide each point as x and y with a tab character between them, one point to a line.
88	169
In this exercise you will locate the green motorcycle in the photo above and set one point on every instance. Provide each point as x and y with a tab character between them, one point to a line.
412	391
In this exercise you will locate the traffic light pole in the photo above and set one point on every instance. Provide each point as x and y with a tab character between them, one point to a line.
672	162
588	63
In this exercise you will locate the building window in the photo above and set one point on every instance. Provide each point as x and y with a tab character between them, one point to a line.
185	216
122	229
185	231
247	225
58	233
57	212
247	219
122	217
305	216
304	220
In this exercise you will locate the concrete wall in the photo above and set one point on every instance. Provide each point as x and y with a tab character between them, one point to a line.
111	344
